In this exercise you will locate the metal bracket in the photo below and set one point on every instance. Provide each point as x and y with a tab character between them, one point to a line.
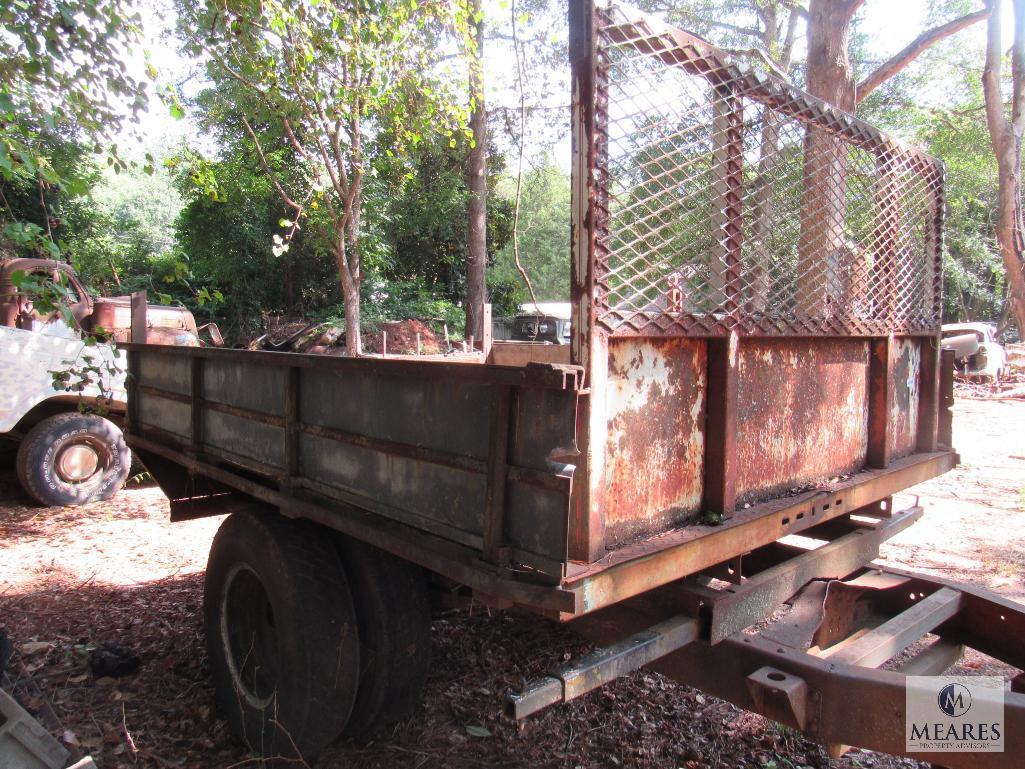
785	698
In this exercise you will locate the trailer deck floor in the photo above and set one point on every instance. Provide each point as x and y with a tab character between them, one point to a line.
118	571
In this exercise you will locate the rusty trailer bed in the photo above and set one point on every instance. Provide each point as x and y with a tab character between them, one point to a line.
467	470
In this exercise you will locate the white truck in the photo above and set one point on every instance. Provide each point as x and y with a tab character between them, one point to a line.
71	450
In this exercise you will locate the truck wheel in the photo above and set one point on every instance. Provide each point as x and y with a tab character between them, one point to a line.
73	459
394	620
280	634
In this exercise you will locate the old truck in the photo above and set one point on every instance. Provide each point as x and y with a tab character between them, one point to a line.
756	371
71	450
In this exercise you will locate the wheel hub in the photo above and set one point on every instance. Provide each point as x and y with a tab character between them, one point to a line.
249	637
78	462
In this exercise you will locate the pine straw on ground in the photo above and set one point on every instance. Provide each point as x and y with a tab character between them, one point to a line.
117	571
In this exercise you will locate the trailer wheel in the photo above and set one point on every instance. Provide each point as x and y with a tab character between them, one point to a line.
280	634
394	619
73	459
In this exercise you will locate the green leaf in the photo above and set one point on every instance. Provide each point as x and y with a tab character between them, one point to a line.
477	731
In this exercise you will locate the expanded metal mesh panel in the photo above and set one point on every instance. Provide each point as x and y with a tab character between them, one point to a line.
726	199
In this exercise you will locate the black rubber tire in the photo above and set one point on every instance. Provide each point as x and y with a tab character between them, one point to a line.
301	627
41	448
394	620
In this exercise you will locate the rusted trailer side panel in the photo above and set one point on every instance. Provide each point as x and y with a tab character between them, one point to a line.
654	452
803	406
484	464
802	418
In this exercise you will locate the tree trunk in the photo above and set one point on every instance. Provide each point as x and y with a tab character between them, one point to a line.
1010	231
821	246
350	296
1006	137
476	183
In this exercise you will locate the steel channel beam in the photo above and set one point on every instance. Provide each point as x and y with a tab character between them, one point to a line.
637	569
854	705
989	623
898	633
604	665
734	609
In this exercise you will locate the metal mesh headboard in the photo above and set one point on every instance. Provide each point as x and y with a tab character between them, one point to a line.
729	200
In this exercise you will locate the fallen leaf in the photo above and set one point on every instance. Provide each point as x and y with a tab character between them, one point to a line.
477	731
34	647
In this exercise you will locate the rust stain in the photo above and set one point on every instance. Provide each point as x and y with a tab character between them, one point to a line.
654	455
803	413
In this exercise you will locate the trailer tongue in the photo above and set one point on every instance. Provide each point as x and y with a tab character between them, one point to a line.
814	660
756	371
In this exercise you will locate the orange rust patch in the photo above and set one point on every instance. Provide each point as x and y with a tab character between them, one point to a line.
803	413
655	443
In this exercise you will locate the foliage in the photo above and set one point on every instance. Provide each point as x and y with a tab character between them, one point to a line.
228	238
332	77
544	236
424	203
974	285
62	81
386	300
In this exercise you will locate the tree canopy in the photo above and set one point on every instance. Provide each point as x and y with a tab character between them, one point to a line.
337	154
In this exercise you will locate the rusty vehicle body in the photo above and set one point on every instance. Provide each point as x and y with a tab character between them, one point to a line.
725	393
164	324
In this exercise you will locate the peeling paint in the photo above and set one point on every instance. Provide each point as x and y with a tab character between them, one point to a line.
655	401
903	418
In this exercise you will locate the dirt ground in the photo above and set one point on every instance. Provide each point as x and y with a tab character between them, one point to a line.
72	579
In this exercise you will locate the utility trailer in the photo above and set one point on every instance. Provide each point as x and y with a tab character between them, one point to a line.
756	371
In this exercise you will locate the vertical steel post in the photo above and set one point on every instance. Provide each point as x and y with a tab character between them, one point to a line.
880	400
720	481
928	393
498	471
945	428
884	234
291	429
196	403
589	346
727	199
137	334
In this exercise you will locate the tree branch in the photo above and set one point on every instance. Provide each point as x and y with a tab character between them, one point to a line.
762	56
786	55
892	66
285	197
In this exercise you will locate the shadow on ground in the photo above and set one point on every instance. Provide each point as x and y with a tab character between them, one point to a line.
167	708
